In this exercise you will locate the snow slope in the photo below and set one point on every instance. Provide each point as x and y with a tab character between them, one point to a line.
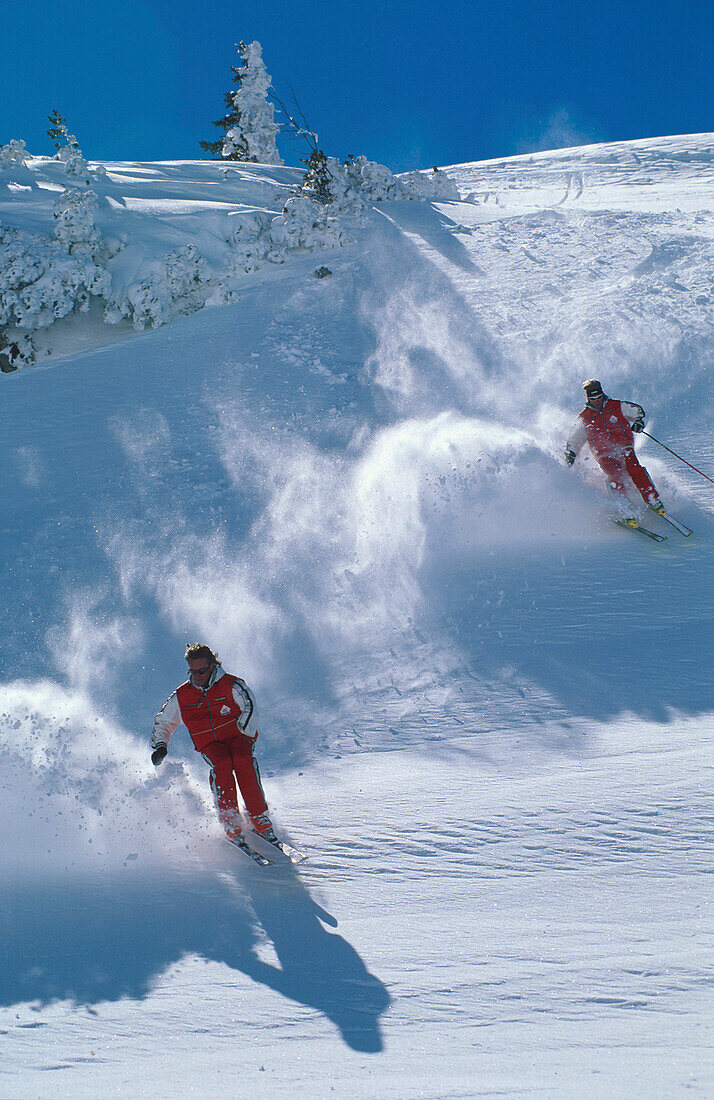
486	710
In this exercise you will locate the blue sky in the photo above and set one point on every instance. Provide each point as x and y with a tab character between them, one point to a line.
410	84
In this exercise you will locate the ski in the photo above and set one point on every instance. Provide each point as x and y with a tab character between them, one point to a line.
257	857
681	527
292	854
641	530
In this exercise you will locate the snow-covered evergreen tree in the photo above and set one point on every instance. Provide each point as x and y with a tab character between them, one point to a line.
318	178
230	121
253	136
67	147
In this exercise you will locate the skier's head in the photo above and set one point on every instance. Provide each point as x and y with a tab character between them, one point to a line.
201	663
594	396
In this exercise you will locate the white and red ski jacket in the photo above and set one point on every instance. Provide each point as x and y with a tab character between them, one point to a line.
609	431
229	705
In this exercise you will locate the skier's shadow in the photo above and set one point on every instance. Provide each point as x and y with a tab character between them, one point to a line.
108	937
318	968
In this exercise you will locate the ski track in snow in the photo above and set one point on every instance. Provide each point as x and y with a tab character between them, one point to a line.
487	713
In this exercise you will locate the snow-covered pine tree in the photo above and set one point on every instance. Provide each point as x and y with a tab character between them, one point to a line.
59	133
67	147
253	137
318	176
230	121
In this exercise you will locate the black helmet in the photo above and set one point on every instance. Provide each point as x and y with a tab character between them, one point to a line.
593	390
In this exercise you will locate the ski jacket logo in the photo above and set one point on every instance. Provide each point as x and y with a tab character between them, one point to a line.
210	715
608	431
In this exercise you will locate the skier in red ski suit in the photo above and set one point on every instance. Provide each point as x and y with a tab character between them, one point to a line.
607	425
219	712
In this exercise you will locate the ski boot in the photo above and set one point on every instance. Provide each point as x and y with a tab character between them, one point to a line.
263	826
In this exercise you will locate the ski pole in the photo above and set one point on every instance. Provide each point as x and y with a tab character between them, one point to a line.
679	457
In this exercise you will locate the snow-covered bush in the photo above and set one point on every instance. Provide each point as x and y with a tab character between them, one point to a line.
174	288
253	137
250	241
249	245
44	279
434	185
15	351
40	282
14	169
352	185
304	223
13	154
348	187
62	288
74	215
262	238
374	182
185	271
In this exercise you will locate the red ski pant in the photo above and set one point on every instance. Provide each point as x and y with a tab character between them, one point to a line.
231	761
623	468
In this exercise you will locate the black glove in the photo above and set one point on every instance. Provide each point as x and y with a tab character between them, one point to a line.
570	457
159	753
639	424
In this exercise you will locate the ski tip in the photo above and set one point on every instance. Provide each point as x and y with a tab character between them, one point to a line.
293	854
677	524
633	525
289	852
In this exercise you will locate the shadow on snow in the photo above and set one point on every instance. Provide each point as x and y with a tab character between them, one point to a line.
90	941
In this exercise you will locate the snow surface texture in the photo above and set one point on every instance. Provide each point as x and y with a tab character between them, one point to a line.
487	711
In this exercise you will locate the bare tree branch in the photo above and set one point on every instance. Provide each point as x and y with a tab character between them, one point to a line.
304	131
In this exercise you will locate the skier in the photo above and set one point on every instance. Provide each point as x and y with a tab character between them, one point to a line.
607	425
219	712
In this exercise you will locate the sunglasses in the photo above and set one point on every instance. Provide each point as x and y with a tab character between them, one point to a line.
200	671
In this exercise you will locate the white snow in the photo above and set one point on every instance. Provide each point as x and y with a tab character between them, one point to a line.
487	712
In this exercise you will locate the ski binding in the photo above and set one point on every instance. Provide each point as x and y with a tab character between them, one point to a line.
243	846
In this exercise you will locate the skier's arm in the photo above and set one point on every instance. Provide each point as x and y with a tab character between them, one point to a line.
634	413
248	721
165	722
575	441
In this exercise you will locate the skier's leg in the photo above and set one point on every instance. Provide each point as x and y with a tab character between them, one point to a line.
223	785
641	479
615	472
248	775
